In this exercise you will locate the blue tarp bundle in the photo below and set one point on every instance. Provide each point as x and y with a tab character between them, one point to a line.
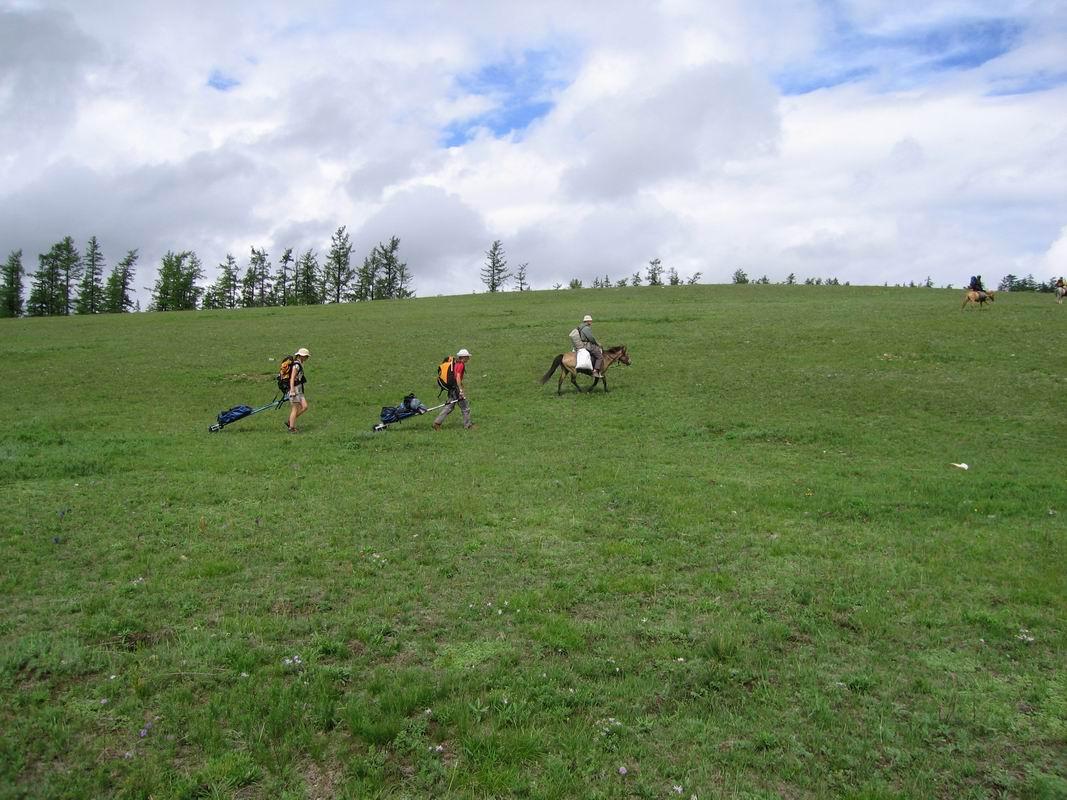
234	414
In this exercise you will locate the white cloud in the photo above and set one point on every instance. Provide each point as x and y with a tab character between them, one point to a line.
666	135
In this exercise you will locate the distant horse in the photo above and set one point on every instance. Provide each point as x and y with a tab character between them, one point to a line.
568	361
978	298
1060	292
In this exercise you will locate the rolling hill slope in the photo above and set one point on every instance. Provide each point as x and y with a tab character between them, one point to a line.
750	570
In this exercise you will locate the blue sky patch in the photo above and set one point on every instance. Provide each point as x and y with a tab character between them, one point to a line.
906	57
803	83
220	81
520	90
1028	84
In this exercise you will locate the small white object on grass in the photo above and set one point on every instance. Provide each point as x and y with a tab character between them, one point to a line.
961	466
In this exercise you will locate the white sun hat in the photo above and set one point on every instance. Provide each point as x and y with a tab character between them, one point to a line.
463	352
587	318
303	351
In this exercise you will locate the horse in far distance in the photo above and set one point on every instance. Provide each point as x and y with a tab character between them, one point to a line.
978	298
1060	292
567	362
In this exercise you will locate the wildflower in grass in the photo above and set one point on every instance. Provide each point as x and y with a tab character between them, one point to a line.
677	789
144	732
103	701
1025	636
622	771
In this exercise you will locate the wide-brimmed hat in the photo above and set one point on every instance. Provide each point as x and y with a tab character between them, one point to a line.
587	318
303	351
463	353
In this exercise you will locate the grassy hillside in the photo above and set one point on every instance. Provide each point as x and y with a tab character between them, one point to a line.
748	571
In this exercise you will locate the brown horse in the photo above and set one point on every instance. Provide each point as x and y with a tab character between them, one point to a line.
978	298
568	361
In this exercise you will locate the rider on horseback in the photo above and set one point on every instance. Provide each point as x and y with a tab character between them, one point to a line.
589	342
976	284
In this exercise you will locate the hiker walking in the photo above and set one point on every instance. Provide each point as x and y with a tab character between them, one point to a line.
585	334
298	402
457	394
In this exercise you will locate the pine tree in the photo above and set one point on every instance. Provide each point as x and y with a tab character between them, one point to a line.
393	279
366	278
495	272
306	280
259	264
673	278
50	294
223	292
91	289
248	288
11	285
740	276
520	277
337	271
176	288
283	279
70	267
117	299
693	279
655	270
635	279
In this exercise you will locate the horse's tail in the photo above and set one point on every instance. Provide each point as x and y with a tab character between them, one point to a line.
555	365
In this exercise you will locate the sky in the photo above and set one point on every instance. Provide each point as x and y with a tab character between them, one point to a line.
873	142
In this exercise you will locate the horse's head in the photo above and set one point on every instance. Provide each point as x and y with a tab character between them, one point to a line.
624	357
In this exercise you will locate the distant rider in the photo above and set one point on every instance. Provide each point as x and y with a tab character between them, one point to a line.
585	333
976	284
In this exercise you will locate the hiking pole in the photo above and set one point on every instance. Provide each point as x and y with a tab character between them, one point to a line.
449	403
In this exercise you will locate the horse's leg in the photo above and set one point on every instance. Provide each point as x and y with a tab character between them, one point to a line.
604	378
574	380
559	386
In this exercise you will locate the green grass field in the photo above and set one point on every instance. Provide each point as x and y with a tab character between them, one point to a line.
750	571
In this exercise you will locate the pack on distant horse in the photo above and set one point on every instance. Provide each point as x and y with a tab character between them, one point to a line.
1060	289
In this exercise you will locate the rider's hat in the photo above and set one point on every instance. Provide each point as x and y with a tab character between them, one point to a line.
587	318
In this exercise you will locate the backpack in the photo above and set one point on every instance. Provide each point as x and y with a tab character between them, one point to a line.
576	339
285	371
446	376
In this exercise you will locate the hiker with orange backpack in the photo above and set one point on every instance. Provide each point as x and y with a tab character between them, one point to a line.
294	387
450	377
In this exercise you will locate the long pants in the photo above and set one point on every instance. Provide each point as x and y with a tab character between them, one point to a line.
464	406
598	356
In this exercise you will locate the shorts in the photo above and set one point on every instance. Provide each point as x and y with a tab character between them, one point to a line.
297	397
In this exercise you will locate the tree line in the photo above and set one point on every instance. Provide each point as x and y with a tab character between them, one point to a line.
71	282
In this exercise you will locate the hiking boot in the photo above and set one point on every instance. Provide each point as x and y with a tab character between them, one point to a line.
437	426
596	374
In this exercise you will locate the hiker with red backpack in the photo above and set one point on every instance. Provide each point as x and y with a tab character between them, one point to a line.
450	378
293	369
